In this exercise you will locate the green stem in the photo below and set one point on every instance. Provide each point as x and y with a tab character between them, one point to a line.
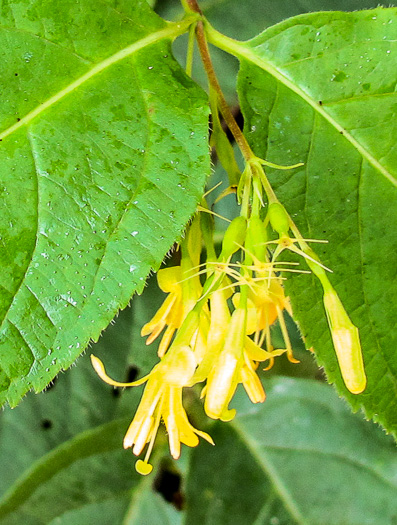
258	171
256	197
272	197
237	48
190	50
189	326
246	192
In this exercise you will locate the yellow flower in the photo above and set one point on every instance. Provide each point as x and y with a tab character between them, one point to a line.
182	283
269	298
208	350
162	399
170	313
235	363
224	376
346	341
267	294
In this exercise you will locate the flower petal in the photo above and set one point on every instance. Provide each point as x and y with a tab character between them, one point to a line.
171	421
157	323
168	279
100	370
139	435
177	366
256	353
252	385
221	385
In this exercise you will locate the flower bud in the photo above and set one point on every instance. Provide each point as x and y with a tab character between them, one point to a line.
234	237
256	238
346	341
278	218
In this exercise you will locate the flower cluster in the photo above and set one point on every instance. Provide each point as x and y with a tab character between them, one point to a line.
215	321
212	333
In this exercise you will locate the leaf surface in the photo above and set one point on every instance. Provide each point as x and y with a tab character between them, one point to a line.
301	453
320	89
301	457
103	158
243	20
61	451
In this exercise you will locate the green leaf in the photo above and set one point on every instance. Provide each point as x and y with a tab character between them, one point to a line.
63	463
246	19
41	484
300	458
320	89
152	510
103	158
243	20
61	451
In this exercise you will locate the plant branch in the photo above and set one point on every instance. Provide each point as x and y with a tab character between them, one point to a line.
191	5
223	106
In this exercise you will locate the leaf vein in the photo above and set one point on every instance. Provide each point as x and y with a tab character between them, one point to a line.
270	470
35	244
172	30
245	51
45	40
346	459
27	343
125	213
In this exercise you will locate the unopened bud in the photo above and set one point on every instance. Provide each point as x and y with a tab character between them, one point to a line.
346	341
234	237
278	218
256	238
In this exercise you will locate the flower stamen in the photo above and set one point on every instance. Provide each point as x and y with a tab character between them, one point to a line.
144	467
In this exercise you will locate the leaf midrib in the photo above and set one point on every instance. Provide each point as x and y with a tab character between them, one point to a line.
85	444
332	454
245	51
278	484
171	31
279	487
